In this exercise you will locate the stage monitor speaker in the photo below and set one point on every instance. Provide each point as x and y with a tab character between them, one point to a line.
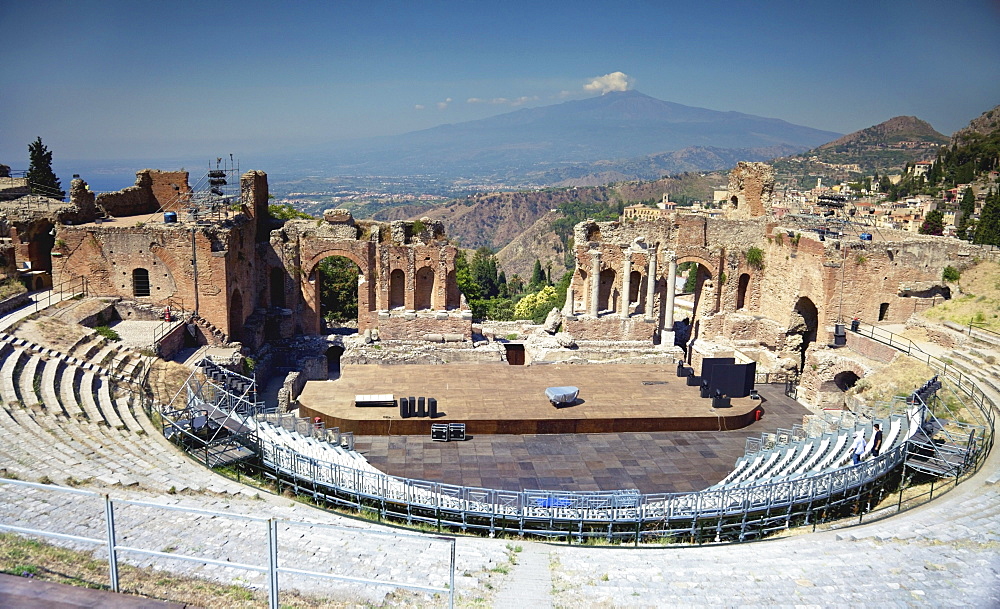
432	408
710	362
733	380
421	407
404	408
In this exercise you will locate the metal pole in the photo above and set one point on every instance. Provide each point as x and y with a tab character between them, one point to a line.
272	571
451	584
109	519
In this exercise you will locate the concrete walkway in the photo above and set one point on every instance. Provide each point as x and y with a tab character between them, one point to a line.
530	583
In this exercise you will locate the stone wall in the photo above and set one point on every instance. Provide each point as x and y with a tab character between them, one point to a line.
154	191
872	349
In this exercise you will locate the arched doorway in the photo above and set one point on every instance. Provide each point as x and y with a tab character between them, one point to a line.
333	362
845	380
236	316
423	293
606	292
397	289
337	278
635	286
802	329
741	291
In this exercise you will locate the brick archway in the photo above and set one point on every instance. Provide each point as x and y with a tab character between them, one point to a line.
310	286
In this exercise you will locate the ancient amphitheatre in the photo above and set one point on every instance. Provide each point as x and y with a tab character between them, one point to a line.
90	415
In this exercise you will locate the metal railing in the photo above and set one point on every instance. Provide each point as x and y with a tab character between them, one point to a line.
77	286
718	514
268	536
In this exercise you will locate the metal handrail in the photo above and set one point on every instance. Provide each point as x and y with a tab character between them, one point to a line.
273	568
65	287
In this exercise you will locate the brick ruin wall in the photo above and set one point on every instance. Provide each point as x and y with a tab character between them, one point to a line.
154	191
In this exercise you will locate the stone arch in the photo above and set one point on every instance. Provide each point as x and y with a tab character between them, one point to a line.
803	323
140	282
607	291
311	285
423	288
741	290
236	316
735	201
883	311
397	289
635	286
846	379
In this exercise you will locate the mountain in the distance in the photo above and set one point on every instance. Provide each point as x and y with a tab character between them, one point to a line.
894	131
889	145
611	127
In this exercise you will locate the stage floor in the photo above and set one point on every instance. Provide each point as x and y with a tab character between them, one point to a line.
502	399
661	462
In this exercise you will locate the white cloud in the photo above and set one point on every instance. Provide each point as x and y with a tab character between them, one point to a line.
419	107
615	81
441	105
503	101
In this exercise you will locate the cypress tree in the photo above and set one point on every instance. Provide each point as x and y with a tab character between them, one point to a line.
42	179
988	229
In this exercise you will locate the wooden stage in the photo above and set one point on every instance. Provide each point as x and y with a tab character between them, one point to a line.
503	399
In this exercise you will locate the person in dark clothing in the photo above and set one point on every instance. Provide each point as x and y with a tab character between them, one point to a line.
877	441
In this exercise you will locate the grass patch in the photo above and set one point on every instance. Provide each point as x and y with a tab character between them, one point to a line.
979	302
26	557
107	333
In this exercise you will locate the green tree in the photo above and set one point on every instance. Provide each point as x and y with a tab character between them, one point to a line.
988	229
463	277
933	223
284	211
338	289
537	274
967	207
484	272
42	179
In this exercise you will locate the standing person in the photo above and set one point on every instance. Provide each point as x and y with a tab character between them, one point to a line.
858	448
877	441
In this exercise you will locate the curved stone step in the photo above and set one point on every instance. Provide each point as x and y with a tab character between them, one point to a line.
8	392
26	381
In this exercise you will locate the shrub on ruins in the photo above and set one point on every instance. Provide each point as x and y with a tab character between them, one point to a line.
951	274
755	258
40	175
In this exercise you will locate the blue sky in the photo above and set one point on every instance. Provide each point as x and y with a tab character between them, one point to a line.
150	80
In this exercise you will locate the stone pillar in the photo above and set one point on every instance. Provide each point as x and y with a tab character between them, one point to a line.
595	281
668	322
650	282
626	281
568	307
